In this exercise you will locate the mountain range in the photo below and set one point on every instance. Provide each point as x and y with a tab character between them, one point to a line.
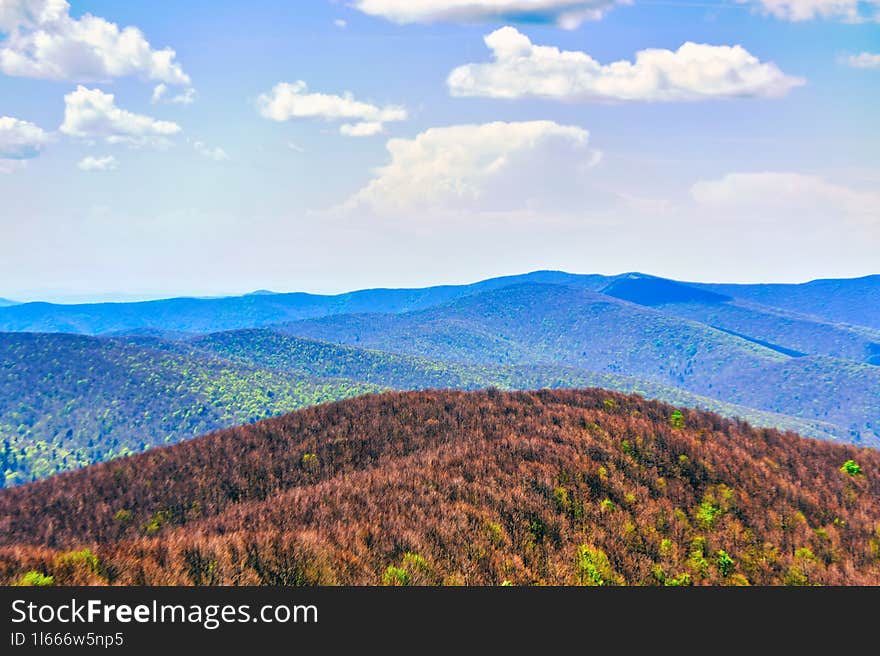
574	487
85	383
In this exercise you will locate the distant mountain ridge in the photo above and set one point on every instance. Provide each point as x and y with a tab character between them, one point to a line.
203	315
852	300
162	371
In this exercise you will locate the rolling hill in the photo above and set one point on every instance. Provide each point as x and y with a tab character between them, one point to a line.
312	358
448	488
550	324
565	326
783	330
70	400
855	301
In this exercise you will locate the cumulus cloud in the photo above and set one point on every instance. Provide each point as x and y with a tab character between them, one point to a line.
864	60
851	11
770	195
289	101
215	153
693	72
448	166
90	163
185	97
44	41
20	140
568	14
93	114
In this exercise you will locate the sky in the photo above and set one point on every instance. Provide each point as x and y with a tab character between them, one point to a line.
207	148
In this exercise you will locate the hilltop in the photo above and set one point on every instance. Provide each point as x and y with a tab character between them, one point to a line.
477	488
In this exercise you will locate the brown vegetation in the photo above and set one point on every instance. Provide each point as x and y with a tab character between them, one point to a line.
478	488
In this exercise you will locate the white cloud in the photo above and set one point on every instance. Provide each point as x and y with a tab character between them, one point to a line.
216	153
90	163
771	195
363	129
293	101
568	14
864	60
93	114
693	72
185	97
44	41
448	166
340	23
20	140
851	11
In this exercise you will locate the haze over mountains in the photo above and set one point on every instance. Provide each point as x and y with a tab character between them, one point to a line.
100	380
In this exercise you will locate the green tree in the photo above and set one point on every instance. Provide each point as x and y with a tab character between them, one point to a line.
33	578
724	563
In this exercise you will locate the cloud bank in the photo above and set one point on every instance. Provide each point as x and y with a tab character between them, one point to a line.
44	41
21	140
288	101
447	166
771	194
693	72
93	114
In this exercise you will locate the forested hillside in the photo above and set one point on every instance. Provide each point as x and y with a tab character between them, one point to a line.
69	400
447	488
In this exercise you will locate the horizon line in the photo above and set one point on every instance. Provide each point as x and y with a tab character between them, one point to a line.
119	298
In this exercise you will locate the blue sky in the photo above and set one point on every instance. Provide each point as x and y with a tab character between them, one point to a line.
765	169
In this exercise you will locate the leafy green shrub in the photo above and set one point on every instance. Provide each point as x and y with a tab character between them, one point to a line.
593	567
76	567
677	419
851	467
156	522
724	563
496	532
707	513
395	576
682	580
562	499
33	578
83	558
799	572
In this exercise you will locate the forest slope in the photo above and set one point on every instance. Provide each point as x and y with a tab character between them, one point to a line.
479	488
71	400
